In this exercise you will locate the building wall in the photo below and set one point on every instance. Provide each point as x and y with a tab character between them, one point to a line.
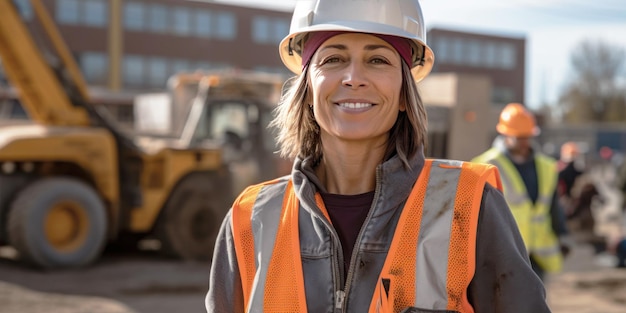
162	37
500	58
459	114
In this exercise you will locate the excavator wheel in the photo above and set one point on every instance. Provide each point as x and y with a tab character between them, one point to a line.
57	222
192	216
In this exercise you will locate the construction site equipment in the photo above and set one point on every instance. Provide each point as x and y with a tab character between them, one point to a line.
72	183
228	108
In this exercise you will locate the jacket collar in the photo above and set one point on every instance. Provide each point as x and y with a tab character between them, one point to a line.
393	181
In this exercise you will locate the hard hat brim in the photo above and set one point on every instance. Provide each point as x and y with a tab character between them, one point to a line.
293	61
507	131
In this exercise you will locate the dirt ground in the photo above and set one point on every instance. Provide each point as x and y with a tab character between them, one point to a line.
587	286
135	282
143	282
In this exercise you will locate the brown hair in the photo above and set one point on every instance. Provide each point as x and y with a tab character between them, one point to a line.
299	133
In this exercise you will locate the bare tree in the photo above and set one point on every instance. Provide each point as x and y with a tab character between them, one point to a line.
594	93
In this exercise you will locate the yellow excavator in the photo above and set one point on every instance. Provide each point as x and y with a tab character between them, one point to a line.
72	183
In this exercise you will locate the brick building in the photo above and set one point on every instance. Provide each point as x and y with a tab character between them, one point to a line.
124	47
501	58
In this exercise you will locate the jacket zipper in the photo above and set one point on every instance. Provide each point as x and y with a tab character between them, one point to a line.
337	270
355	251
340	297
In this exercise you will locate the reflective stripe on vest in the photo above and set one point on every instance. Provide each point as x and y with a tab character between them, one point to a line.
442	210
272	281
534	221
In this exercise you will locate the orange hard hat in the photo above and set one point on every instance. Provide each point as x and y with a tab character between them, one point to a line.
517	121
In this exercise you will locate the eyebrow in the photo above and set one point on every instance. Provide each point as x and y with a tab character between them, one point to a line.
367	47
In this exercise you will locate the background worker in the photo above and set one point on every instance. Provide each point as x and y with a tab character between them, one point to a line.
570	152
530	188
365	223
570	167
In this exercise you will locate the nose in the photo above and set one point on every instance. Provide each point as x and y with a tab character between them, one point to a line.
355	76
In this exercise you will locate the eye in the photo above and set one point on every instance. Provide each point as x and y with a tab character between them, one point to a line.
330	59
379	60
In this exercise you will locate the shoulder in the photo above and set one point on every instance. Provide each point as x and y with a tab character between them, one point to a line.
270	188
495	213
545	159
473	173
487	156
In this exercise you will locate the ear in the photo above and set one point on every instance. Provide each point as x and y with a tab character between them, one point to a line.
402	107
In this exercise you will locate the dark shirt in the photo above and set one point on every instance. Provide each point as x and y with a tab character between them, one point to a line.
528	172
567	178
348	213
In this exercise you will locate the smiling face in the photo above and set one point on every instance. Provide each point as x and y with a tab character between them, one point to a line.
355	83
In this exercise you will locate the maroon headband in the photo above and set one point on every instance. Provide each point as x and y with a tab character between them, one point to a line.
316	39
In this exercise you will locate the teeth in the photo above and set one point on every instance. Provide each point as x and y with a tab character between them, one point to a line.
355	105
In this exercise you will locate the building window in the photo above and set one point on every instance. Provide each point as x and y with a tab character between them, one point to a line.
269	31
157	72
209	66
68	11
157	18
203	65
133	70
178	66
458	51
85	12
260	29
25	9
502	95
281	30
473	53
226	26
182	21
94	66
202	27
96	13
491	55
442	49
507	56
134	16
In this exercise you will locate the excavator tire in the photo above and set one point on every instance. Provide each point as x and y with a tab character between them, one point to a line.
57	222
191	218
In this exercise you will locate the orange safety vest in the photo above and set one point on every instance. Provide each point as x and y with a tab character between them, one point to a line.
277	283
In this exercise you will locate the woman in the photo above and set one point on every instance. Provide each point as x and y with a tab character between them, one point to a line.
365	223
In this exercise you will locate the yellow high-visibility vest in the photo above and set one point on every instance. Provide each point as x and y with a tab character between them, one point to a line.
443	207
533	220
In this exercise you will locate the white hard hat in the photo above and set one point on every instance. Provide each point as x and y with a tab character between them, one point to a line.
401	18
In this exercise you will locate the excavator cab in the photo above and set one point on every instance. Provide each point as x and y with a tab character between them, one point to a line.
227	110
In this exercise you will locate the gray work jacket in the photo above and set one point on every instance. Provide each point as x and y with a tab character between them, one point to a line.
504	281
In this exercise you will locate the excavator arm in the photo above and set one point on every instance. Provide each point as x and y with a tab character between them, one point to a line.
41	90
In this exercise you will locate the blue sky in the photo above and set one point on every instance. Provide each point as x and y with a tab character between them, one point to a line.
552	29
